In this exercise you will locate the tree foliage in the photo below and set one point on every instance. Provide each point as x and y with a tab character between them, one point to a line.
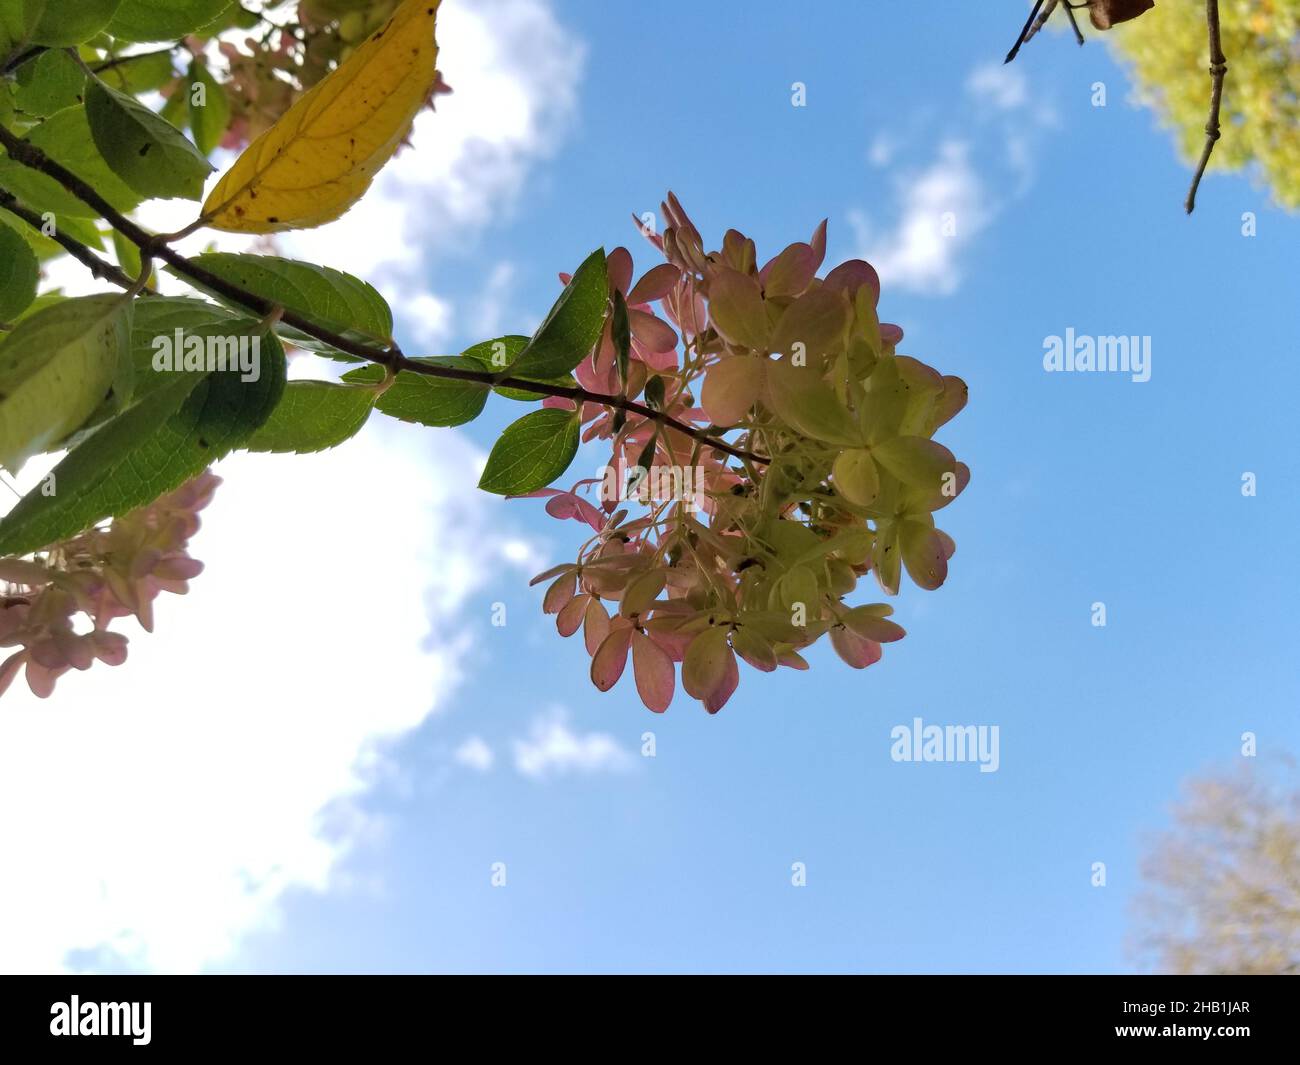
1223	884
1261	98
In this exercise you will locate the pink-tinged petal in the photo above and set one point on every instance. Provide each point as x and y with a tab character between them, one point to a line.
950	402
818	320
852	275
557	403
651	332
726	687
554	571
854	649
41	680
731	387
653	671
595	625
9	669
648	233
891	334
790	273
736	309
569	618
818	245
655	284
611	657
47	653
559	593
948	544
27	574
656	360
619	265
566	505
110	647
180	568
77	651
676	214
792	660
867	623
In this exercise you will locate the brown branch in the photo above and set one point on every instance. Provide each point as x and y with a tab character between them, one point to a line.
154	246
102	270
1218	71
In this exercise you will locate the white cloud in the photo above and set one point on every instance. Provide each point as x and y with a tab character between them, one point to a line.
158	811
940	209
554	749
999	86
943	204
475	754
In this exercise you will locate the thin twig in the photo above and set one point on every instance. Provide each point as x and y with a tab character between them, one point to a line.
1218	71
155	246
1074	22
1024	33
102	270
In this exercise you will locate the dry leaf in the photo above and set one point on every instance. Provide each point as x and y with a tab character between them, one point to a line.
318	160
1108	13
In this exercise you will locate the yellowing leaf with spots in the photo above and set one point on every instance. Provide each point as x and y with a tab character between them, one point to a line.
318	160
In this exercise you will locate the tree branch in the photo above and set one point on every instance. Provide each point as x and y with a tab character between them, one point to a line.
154	246
1218	71
102	270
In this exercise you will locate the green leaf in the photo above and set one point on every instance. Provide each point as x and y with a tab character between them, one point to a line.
68	22
160	317
19	275
49	83
164	20
497	355
156	317
332	299
144	150
56	368
532	452
573	326
65	138
209	107
18	19
138	73
436	401
314	416
156	445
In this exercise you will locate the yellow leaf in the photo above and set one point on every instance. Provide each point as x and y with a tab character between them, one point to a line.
318	160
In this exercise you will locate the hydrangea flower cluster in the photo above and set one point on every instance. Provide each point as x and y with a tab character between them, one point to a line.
698	557
105	574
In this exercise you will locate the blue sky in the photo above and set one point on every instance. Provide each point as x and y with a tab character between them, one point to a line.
1085	488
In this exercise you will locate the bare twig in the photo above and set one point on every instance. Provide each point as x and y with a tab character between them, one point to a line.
1218	71
1024	33
1074	22
155	246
